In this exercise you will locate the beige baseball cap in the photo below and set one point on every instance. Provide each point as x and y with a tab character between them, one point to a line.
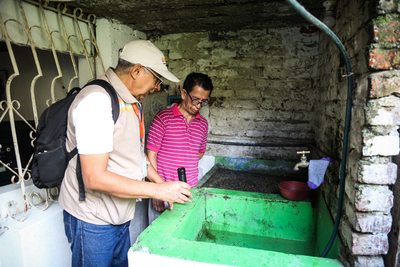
147	54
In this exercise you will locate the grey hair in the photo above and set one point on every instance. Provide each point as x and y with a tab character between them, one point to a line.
124	67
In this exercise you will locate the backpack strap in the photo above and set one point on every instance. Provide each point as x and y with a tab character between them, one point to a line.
82	196
115	111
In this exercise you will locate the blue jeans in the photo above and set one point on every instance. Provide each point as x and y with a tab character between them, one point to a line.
97	245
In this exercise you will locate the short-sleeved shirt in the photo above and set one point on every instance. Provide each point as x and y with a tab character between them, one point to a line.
177	143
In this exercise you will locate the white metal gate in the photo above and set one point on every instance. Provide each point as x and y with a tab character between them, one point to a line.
60	30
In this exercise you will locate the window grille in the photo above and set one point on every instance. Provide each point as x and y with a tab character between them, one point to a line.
63	33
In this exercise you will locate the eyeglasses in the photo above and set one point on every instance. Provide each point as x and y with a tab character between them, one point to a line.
155	75
195	102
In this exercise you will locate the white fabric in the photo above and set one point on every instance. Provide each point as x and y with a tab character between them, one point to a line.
316	172
94	124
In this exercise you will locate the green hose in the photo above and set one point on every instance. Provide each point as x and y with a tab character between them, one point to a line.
325	29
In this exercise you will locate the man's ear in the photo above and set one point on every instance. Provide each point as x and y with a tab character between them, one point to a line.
183	94
135	70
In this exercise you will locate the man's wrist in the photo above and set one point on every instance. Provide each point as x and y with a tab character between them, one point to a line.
161	181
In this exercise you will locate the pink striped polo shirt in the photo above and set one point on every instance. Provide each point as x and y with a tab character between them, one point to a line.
177	143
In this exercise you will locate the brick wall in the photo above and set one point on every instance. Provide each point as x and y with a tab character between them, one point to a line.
264	84
368	33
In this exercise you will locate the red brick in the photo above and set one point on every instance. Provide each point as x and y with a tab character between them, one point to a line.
384	59
387	32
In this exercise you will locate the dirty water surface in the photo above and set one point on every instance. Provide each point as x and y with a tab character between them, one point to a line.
249	181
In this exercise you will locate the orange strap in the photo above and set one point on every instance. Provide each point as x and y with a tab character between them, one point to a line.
140	117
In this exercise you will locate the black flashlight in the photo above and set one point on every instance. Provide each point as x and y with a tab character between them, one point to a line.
182	174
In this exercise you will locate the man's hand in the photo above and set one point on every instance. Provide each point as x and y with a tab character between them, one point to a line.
158	205
176	191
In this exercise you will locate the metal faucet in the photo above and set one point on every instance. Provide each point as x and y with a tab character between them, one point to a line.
303	161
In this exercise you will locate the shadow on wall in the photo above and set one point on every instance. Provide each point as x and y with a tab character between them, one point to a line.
7	151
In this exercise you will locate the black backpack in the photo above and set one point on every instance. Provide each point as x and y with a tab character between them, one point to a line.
50	159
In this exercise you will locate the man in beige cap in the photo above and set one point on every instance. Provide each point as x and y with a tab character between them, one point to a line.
112	160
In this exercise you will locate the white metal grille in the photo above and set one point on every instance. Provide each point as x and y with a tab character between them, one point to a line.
60	31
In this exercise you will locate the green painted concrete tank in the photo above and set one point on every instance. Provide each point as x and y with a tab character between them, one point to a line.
235	228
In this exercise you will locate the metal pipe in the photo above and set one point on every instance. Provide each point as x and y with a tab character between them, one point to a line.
60	12
342	49
55	56
92	22
85	52
35	57
257	144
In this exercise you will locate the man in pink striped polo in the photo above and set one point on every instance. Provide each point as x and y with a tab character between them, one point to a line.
178	135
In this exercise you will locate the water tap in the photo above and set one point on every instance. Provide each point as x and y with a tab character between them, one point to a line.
303	160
